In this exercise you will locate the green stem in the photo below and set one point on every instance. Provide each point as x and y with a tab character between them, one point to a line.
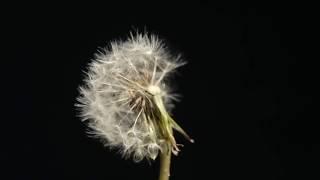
165	160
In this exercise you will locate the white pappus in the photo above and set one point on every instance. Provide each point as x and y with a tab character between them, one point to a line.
125	98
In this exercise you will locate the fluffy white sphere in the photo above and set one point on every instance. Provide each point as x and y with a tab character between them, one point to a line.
117	97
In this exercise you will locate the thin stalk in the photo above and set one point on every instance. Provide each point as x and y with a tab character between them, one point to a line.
165	160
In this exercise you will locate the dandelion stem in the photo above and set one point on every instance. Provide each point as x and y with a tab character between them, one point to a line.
165	160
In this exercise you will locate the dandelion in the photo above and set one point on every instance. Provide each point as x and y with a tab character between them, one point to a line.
126	99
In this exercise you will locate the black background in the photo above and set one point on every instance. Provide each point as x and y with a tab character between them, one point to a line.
248	89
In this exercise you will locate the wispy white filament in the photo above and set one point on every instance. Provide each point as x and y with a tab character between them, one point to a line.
118	88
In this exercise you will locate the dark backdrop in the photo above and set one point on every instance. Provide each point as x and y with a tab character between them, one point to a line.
248	89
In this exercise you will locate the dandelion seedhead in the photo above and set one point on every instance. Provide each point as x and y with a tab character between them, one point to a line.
125	98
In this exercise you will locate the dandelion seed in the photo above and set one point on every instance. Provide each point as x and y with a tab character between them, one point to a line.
125	98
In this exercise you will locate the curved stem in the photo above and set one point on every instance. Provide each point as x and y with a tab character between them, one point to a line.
165	160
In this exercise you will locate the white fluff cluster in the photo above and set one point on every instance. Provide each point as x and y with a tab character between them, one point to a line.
116	98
